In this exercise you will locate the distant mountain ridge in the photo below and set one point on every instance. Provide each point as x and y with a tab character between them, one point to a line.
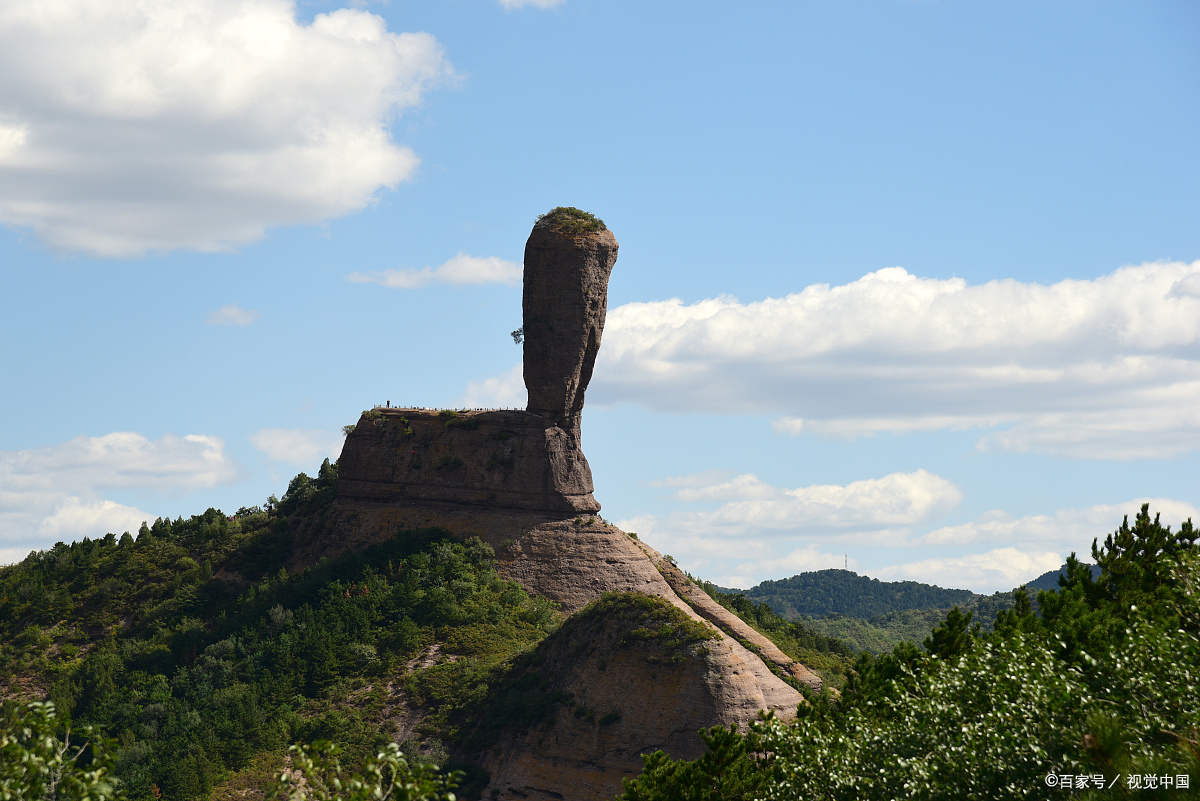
844	592
1049	579
874	615
821	593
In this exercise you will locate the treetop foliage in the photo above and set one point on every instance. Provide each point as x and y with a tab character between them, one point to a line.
40	759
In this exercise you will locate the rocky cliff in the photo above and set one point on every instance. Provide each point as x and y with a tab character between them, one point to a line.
519	481
501	460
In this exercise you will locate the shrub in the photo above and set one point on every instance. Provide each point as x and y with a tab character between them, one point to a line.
38	762
315	775
572	221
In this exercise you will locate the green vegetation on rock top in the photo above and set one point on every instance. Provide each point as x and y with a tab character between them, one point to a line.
570	220
652	618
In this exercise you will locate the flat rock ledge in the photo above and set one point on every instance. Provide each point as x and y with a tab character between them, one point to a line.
484	459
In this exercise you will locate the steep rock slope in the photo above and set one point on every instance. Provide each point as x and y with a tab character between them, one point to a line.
629	674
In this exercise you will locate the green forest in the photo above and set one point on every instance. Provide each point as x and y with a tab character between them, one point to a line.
188	662
195	652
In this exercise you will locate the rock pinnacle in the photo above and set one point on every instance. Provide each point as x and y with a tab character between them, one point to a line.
568	260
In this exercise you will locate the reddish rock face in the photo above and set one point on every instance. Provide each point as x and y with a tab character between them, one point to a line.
564	302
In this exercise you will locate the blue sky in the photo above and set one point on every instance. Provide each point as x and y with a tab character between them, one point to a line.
912	286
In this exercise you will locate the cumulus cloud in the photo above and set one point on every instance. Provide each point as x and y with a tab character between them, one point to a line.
230	314
1029	545
898	499
738	530
460	270
1064	529
1103	368
304	448
998	569
119	460
128	126
56	493
754	530
74	515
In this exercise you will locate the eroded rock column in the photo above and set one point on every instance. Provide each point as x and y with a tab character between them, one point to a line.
568	259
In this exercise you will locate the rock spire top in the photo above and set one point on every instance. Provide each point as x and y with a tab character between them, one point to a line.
568	260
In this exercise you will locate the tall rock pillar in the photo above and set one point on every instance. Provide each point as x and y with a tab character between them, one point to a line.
568	259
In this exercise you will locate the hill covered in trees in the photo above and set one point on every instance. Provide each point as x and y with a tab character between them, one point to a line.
191	657
873	615
843	592
193	647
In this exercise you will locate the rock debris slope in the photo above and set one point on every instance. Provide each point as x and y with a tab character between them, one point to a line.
519	480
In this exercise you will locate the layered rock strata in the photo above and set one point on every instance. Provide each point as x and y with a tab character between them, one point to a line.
501	460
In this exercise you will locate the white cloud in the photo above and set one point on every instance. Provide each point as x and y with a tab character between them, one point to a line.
511	5
74	515
1066	529
1104	368
231	314
505	391
128	126
56	493
752	531
758	531
119	460
998	569
460	270
298	447
750	505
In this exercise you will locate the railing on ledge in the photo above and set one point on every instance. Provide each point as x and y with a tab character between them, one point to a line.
388	407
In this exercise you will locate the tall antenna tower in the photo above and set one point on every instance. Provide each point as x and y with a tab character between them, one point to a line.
846	562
